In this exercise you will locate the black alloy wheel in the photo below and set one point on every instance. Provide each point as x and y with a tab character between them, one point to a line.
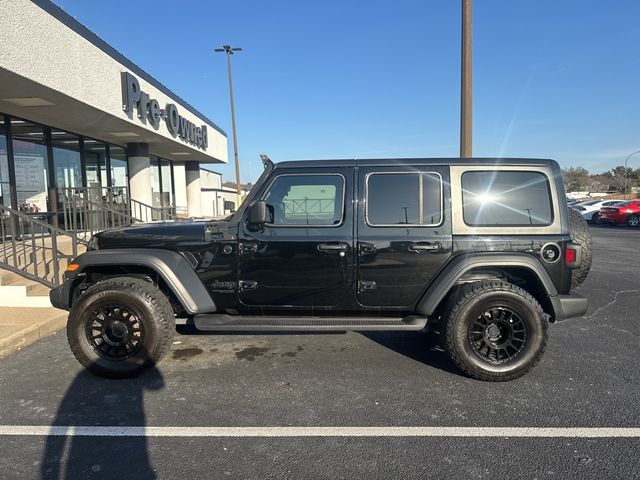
120	327
494	330
115	332
498	335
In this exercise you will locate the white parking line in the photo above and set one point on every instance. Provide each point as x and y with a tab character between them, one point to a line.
528	432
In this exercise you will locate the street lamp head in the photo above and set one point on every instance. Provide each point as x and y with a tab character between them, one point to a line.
228	49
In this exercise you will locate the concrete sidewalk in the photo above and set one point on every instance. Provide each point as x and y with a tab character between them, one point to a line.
20	327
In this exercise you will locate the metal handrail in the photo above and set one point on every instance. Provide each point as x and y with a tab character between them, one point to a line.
147	213
84	217
34	249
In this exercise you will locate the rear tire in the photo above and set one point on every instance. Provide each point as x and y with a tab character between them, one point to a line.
595	218
494	330
581	235
120	327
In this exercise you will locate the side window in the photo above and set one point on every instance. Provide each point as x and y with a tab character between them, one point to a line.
506	198
314	200
404	199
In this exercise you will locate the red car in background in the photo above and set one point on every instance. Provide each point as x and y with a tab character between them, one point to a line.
628	212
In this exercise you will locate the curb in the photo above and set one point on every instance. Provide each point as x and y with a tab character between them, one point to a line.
31	334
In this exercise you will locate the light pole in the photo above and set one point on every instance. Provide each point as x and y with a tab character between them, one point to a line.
229	51
466	81
626	162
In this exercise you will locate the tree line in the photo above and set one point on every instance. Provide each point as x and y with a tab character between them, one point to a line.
578	179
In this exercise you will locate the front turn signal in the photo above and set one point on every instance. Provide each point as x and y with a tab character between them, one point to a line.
73	267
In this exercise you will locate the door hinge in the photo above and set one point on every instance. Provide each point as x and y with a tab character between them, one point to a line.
247	248
366	286
245	285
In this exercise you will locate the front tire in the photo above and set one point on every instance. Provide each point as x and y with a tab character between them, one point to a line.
633	220
494	330
120	327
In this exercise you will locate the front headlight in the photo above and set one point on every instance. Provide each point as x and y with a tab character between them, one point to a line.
93	244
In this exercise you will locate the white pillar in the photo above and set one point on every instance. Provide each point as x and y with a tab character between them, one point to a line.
139	175
194	189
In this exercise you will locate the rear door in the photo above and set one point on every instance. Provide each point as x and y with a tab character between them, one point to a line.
403	233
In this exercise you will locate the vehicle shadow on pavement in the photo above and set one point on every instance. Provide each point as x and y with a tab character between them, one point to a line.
94	401
424	347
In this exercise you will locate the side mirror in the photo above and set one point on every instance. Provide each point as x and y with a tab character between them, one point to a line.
258	213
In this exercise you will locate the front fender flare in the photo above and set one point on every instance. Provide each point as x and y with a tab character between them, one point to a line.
447	278
172	267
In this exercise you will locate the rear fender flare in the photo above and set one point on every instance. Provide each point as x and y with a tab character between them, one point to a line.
456	268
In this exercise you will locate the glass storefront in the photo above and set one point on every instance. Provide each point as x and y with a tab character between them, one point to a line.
49	159
162	188
66	161
30	159
119	166
95	161
5	192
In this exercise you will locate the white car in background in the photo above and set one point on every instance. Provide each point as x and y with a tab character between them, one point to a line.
590	210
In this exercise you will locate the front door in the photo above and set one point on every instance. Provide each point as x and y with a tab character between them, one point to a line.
304	257
404	234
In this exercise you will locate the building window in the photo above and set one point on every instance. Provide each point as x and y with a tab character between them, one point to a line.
95	158
119	168
166	184
66	161
30	161
506	198
161	183
5	184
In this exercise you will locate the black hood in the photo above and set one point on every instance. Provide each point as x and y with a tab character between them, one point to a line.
156	234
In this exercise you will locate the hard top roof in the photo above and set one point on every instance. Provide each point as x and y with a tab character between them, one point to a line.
488	161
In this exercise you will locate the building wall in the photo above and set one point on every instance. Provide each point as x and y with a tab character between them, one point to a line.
40	48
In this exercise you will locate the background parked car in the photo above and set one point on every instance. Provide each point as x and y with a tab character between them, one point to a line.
590	210
626	212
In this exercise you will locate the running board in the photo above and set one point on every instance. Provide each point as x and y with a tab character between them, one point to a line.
235	323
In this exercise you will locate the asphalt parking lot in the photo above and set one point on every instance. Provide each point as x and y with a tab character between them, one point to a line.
588	378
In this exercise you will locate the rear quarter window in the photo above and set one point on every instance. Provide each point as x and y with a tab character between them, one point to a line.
506	199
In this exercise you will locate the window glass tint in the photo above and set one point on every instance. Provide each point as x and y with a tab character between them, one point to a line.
506	198
306	200
395	199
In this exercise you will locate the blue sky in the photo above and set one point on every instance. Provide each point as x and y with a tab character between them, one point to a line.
354	79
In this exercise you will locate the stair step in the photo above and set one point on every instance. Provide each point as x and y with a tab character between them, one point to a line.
228	323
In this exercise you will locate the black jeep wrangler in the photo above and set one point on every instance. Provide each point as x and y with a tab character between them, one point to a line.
484	251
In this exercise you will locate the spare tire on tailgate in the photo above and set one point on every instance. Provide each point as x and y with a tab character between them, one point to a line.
581	236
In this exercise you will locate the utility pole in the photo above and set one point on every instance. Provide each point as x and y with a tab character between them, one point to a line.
229	51
466	82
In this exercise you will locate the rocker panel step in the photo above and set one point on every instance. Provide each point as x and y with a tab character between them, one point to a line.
232	323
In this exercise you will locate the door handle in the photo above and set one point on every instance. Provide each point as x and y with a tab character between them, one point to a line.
365	248
424	247
332	247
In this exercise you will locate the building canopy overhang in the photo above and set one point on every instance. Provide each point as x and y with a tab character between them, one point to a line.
56	72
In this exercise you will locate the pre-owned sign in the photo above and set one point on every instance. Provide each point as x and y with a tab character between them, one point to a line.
149	110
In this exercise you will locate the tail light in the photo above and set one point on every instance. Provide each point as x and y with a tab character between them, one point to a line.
572	255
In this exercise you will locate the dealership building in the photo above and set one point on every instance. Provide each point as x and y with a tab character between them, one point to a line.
75	114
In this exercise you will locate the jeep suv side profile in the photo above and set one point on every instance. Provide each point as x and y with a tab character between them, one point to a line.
484	251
